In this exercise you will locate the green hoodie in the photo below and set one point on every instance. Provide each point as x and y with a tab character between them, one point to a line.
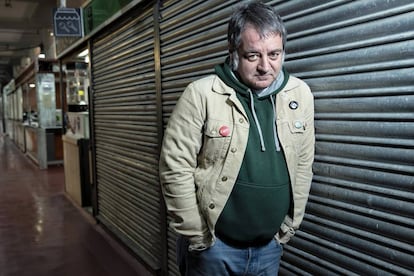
261	196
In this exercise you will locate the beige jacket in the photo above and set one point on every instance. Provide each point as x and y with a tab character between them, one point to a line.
199	166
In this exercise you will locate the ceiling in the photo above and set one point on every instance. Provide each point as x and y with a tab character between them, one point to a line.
23	25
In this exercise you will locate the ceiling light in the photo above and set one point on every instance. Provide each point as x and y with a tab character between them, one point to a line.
83	53
42	51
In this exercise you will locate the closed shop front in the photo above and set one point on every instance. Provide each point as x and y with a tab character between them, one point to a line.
125	133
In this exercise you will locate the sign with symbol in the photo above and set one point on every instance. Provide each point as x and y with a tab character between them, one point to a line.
68	22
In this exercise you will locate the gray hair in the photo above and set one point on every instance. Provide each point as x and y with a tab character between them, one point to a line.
262	17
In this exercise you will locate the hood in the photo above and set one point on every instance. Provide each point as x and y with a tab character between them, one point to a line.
229	78
243	92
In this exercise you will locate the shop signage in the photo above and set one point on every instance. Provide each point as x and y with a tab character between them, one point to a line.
67	22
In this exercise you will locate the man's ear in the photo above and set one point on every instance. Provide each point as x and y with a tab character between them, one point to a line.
230	49
231	60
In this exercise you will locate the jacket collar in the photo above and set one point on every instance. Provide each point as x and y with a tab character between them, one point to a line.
221	88
290	85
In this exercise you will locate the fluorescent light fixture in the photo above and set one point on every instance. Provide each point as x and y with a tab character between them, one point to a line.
32	85
41	55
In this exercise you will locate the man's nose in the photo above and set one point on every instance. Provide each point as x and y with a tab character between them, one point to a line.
264	64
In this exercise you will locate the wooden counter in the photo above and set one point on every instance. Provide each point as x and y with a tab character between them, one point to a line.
76	163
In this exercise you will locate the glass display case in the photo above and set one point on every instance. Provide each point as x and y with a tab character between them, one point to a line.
77	85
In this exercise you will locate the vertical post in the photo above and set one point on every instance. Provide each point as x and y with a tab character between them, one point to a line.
92	147
160	130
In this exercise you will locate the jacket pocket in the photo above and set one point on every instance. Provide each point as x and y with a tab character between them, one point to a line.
296	133
297	126
216	140
286	231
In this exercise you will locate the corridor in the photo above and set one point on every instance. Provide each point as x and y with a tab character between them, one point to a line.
42	233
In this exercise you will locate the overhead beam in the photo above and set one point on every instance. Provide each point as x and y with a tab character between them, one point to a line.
26	24
23	42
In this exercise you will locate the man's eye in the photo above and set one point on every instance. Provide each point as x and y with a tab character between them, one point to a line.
274	56
252	57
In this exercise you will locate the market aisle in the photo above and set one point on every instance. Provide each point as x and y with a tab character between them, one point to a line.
41	232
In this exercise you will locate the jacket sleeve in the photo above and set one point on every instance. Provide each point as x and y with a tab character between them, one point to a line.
303	175
178	161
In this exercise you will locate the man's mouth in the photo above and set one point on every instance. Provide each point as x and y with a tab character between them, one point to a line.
263	77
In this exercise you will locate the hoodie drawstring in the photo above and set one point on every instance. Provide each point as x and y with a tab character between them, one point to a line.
259	129
274	125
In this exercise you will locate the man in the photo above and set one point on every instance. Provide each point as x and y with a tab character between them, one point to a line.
236	161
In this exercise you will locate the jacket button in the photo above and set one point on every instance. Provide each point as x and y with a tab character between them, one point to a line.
211	206
224	178
241	120
233	150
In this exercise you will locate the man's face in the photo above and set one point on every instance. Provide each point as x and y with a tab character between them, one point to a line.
260	60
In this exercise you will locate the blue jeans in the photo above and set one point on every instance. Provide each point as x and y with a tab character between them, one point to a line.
222	259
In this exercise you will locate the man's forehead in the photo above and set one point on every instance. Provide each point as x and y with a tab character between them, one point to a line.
262	33
270	43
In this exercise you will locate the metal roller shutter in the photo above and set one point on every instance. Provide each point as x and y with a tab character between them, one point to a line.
193	40
125	133
358	58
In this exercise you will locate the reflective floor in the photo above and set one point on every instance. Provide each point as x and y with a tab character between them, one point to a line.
42	232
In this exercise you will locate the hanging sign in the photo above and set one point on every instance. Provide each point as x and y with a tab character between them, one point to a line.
67	22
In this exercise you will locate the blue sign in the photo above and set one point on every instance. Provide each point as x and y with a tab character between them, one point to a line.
68	22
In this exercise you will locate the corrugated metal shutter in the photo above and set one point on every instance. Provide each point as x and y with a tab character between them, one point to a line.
125	133
358	58
193	39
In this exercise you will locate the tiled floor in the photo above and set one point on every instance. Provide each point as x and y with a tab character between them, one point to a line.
42	233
